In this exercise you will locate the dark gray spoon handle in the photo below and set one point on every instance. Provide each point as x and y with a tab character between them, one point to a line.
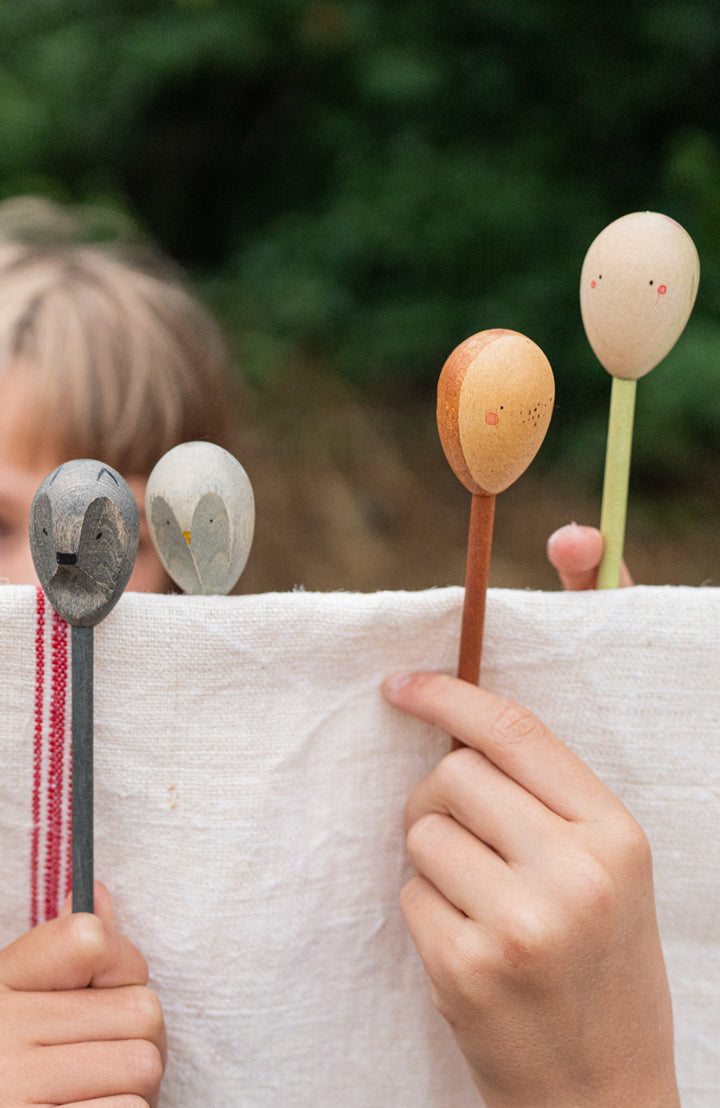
82	644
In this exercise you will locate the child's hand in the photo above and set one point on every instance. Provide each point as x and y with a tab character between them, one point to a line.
62	1043
533	912
576	553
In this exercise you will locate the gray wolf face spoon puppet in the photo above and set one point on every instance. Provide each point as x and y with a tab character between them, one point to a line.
84	528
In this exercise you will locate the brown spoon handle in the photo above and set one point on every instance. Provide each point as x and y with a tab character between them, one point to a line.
482	515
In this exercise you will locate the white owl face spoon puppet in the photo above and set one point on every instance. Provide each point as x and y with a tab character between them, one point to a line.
84	527
201	516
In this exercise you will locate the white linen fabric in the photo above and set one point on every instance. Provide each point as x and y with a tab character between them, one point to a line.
250	781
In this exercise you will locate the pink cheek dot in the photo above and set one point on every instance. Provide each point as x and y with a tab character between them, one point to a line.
492	419
662	289
593	284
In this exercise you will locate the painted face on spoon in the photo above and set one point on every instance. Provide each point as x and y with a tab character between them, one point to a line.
495	398
84	525
637	289
201	513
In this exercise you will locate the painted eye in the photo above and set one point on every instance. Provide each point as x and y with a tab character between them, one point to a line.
99	535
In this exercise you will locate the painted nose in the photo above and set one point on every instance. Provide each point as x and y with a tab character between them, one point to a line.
65	559
187	536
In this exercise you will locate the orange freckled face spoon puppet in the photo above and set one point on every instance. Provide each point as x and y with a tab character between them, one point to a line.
637	289
495	399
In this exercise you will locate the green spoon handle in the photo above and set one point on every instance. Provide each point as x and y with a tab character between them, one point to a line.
615	484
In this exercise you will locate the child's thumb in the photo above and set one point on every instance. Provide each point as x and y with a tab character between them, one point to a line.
72	952
102	902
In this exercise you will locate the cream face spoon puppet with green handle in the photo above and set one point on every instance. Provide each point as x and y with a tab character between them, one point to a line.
84	528
637	289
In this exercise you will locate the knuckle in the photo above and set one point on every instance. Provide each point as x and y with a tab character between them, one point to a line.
87	936
423	832
146	1065
636	846
527	944
459	969
595	895
147	1011
410	895
514	724
437	789
454	768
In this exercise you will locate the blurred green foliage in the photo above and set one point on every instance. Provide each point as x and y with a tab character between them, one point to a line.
364	183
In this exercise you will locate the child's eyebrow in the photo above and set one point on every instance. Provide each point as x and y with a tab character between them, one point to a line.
104	470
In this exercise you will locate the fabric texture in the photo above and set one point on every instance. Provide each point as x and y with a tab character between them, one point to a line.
250	782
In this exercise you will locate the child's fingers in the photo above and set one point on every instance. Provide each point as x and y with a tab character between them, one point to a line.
576	553
432	920
93	1070
447	941
84	1015
102	905
124	1101
70	953
458	865
510	736
485	801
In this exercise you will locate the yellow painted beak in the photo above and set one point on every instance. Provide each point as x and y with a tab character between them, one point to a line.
186	535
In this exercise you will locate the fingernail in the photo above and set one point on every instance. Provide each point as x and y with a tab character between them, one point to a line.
563	531
397	681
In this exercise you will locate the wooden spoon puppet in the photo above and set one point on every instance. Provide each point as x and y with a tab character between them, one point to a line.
495	398
637	290
84	527
201	515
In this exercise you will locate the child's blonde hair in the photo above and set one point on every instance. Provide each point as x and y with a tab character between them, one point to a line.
121	360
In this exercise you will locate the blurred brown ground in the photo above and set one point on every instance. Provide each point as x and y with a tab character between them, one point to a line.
358	496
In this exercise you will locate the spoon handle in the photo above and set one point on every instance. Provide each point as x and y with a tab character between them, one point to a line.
615	485
482	515
82	643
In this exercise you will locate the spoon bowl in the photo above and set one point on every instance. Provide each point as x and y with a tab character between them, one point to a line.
84	528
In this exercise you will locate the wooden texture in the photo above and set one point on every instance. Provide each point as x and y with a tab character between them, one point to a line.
495	398
201	514
84	528
482	515
637	289
477	568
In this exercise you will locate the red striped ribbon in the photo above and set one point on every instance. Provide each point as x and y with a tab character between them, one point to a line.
50	853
